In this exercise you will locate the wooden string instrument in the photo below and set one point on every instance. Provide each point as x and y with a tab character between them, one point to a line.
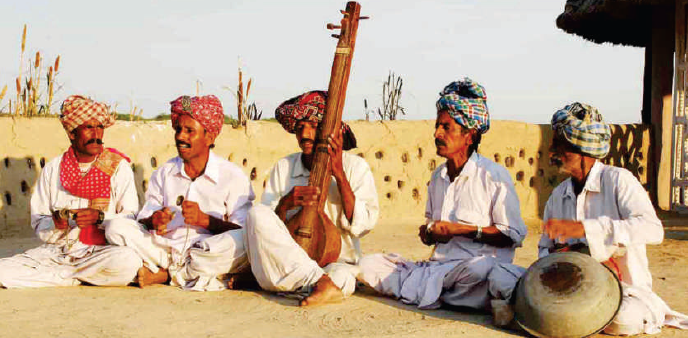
310	227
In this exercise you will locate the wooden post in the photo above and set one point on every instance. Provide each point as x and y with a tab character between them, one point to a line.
678	197
662	58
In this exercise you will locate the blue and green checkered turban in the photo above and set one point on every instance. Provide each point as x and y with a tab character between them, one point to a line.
466	102
582	125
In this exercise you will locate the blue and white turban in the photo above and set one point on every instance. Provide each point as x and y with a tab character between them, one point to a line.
466	102
582	125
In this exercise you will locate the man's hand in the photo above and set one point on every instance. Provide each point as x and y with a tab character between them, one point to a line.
334	149
193	214
560	230
424	236
300	196
442	232
86	217
160	218
60	223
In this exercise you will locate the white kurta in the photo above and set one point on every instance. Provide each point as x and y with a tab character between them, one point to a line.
195	258
277	262
63	260
461	272
619	220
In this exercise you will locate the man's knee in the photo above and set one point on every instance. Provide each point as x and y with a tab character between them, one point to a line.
262	220
477	270
118	230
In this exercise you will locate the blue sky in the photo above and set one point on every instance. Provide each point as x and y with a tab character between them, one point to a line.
146	53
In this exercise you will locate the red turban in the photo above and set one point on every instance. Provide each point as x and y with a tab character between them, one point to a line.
207	110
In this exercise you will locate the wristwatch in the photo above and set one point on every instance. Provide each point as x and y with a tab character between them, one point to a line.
479	232
101	217
428	227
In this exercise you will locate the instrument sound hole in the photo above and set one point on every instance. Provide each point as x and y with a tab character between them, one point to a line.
561	278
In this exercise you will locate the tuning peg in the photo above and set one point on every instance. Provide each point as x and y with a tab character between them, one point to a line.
364	18
336	36
333	26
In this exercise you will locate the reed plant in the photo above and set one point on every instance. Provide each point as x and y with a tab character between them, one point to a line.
33	97
245	111
391	95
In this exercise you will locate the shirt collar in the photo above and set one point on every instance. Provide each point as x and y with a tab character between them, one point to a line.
468	170
592	183
299	169
212	168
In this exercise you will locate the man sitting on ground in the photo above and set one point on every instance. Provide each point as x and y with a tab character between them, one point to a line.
196	205
76	196
277	261
606	209
473	220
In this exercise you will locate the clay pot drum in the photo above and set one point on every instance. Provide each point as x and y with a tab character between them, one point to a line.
567	294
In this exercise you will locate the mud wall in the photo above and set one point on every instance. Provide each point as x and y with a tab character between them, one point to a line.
401	155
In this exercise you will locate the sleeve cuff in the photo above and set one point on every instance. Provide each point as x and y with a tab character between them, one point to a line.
359	222
600	240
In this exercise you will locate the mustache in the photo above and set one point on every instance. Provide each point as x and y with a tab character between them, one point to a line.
94	140
179	143
439	142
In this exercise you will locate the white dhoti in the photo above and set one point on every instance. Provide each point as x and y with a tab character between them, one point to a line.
69	265
279	264
468	282
642	311
199	262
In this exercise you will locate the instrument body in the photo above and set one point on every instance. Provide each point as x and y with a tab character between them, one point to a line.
567	294
310	227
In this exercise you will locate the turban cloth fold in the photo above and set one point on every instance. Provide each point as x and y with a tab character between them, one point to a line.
310	106
583	127
466	102
76	110
207	110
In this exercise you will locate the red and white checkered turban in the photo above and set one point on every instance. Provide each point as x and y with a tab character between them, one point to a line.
207	110
76	110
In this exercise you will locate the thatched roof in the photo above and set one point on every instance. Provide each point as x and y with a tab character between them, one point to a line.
625	22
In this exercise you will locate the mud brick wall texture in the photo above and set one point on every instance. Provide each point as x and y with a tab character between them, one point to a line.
401	155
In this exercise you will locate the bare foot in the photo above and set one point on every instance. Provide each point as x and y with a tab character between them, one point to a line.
146	277
324	292
502	312
242	281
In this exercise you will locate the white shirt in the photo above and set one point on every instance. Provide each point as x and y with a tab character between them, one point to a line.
49	195
289	172
618	217
223	191
481	195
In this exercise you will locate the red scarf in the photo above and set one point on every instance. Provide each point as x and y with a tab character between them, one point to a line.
94	186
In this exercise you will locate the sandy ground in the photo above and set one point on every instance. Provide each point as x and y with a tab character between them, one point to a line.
165	311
